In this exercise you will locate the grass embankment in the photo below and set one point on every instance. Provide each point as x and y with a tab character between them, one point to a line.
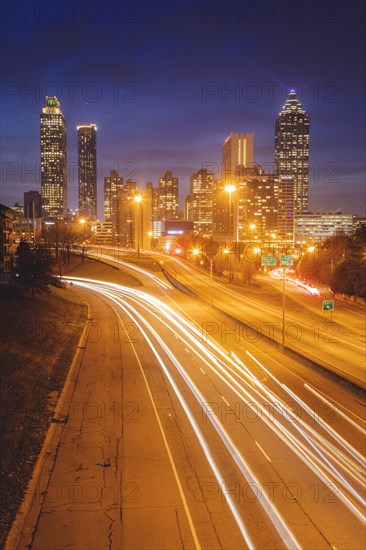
38	341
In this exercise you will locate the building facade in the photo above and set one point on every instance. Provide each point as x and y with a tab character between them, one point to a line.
7	240
113	185
199	203
53	160
237	153
87	169
292	149
32	205
168	197
314	226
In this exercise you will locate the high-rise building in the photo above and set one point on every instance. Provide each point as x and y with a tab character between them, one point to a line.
237	153
87	162
222	211
292	148
254	208
32	204
286	208
127	214
199	203
113	185
53	160
168	197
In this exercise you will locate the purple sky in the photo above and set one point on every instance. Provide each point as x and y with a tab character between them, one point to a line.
166	82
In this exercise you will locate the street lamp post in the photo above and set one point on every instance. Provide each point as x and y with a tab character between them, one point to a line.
252	227
138	199
82	221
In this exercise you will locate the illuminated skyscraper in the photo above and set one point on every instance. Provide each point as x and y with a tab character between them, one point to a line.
237	153
168	197
87	160
113	185
53	160
199	203
292	149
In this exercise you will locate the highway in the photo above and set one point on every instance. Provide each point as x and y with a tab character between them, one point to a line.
337	343
261	454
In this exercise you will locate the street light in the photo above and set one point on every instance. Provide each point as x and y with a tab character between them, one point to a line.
82	221
137	200
230	189
252	227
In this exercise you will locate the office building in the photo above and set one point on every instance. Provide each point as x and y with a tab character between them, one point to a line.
237	153
292	149
87	165
315	226
199	203
113	185
168	197
32	205
53	160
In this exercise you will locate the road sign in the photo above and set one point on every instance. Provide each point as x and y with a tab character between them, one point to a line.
269	260
328	305
210	249
287	260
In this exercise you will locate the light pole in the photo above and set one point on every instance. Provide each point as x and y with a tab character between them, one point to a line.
82	221
138	199
252	227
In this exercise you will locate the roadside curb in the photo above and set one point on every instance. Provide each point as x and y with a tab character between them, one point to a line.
36	491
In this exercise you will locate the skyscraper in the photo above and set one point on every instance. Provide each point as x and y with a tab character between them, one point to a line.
53	160
292	149
87	161
237	153
113	185
32	204
199	202
168	197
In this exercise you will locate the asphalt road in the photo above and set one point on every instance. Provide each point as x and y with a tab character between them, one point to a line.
184	436
337	343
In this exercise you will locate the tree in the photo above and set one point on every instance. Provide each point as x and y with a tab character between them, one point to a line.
341	283
34	267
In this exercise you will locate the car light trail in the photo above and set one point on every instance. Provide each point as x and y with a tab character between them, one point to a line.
320	457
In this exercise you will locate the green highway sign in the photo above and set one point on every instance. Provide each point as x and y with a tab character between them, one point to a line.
269	260
210	249
328	305
287	260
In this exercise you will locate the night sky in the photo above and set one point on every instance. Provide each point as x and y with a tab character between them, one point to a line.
155	77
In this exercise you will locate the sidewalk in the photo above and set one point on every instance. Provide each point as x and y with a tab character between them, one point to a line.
73	497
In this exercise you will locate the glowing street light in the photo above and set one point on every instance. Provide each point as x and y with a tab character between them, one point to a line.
252	227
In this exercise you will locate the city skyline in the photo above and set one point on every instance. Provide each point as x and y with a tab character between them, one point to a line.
162	108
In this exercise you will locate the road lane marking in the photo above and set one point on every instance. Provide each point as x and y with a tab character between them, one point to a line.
202	370
169	453
223	398
263	451
337	410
